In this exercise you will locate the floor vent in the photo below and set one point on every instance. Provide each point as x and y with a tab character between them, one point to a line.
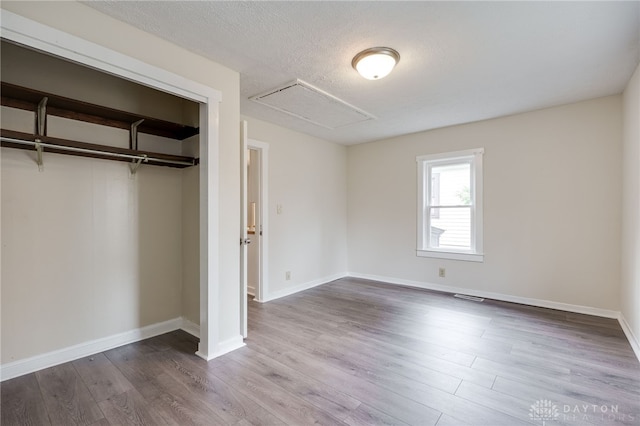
467	297
306	102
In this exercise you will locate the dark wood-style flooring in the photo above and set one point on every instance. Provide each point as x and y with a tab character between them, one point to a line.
360	353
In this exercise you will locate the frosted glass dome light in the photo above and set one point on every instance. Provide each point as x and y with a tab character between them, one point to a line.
376	62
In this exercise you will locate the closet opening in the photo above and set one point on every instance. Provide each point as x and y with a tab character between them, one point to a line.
119	253
116	241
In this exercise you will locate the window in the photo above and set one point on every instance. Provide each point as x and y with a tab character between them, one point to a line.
450	205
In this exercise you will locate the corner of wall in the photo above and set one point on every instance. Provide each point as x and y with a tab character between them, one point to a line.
631	337
630	258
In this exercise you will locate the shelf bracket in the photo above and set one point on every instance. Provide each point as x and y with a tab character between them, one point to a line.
135	165
39	155
41	117
133	143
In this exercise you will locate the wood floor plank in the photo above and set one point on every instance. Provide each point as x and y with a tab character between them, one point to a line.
328	399
418	364
366	415
259	417
101	422
614	362
352	361
130	408
375	363
288	407
22	402
527	374
419	344
415	364
587	403
450	421
369	373
66	397
179	407
139	370
505	403
383	399
101	377
565	383
230	404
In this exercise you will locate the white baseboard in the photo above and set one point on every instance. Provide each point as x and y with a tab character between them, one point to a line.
190	327
251	290
60	356
228	345
496	296
224	347
301	287
633	340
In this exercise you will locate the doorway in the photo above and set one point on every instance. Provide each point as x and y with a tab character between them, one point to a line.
254	225
254	256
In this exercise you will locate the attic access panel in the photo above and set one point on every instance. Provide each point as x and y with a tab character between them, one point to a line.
308	103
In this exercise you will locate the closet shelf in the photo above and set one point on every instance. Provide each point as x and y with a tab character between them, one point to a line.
28	99
99	151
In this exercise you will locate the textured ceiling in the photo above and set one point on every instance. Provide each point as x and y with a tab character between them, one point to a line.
460	61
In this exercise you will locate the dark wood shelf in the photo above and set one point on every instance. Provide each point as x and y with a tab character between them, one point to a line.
28	99
83	145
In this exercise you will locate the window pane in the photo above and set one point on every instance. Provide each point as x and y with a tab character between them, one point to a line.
435	194
452	185
452	229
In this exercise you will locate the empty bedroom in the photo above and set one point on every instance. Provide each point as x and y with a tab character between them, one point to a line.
318	212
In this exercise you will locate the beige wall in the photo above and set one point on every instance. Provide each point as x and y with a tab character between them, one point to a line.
551	197
191	244
307	176
85	254
631	207
95	27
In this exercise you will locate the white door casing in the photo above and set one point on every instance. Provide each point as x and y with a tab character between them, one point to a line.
262	234
244	240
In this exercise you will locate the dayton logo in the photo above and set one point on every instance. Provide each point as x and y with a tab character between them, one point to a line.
543	410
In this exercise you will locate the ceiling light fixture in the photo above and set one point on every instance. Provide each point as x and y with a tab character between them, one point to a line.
376	62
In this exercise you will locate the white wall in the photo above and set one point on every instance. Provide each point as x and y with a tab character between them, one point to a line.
98	28
631	207
551	196
307	176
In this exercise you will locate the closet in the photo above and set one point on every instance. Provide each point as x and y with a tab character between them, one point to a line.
100	213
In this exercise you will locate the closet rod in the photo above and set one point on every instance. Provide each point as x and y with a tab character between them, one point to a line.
144	158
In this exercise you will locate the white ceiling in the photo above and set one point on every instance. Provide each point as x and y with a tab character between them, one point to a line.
460	61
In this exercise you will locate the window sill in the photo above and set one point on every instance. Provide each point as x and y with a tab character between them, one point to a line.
468	257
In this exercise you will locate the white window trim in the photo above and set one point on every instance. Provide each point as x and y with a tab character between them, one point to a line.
476	254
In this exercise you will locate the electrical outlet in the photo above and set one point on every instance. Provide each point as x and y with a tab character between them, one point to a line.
287	275
279	209
442	272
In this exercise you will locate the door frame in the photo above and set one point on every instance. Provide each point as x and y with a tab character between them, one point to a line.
262	236
262	289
